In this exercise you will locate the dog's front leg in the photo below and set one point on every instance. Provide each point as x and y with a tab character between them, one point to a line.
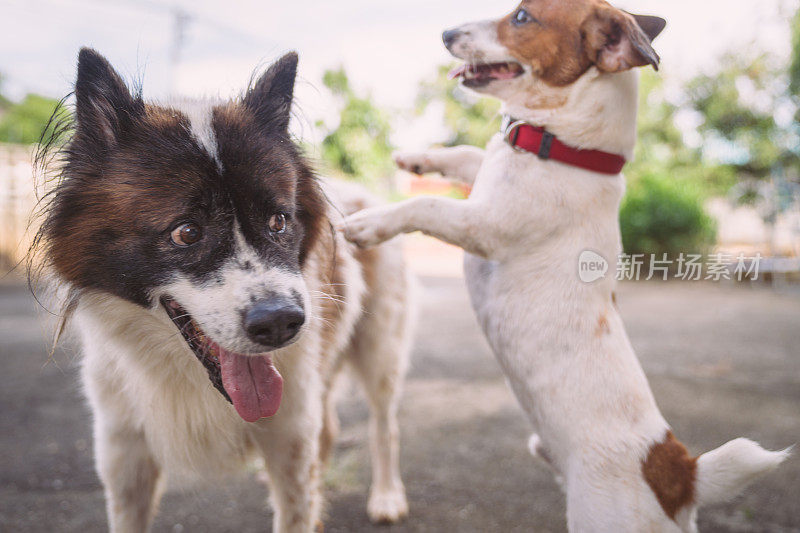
464	223
291	451
293	467
130	476
459	164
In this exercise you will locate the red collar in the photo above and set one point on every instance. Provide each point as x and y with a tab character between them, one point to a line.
525	137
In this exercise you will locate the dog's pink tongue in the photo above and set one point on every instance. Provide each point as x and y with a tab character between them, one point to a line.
252	382
456	72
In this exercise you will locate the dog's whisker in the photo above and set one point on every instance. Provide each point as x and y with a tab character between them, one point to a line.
332	298
321	319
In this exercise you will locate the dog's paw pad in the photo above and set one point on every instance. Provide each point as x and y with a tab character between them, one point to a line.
387	507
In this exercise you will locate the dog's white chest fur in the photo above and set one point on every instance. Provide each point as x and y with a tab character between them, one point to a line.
547	328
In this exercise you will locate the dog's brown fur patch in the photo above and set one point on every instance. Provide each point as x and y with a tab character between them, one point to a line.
567	39
671	474
554	48
602	326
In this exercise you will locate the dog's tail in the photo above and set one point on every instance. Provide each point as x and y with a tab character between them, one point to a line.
724	472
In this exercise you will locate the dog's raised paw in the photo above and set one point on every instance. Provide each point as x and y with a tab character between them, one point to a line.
416	163
367	228
361	233
387	506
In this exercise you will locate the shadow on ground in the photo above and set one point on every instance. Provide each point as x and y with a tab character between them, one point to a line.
723	362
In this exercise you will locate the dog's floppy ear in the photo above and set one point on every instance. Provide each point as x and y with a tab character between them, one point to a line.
271	96
615	40
652	26
104	106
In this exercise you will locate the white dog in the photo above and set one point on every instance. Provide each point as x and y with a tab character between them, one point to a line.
545	190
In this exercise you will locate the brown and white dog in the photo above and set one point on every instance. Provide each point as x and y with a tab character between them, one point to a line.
565	66
214	302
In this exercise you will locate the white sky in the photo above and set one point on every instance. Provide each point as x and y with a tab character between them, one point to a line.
387	46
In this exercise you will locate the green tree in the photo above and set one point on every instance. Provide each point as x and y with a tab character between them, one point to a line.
794	65
4	102
24	122
661	149
751	124
470	119
359	145
663	211
742	126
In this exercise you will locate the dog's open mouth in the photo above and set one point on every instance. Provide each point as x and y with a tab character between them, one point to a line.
478	75
250	382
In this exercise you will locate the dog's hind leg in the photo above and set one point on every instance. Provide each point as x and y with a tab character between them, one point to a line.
379	373
130	475
379	356
459	164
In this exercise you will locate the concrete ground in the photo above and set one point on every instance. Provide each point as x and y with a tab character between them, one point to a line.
723	362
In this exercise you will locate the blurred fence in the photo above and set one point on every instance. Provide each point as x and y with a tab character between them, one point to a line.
742	228
17	201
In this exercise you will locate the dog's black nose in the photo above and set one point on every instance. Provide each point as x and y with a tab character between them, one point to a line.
273	322
450	36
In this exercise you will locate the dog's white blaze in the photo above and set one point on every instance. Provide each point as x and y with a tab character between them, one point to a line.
200	115
218	305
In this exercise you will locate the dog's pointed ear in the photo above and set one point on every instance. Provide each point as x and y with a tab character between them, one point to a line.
615	41
271	96
104	106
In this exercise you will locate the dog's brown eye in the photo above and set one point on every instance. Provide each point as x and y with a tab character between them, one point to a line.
277	223
186	234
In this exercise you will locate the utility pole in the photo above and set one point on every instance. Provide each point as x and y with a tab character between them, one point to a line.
180	21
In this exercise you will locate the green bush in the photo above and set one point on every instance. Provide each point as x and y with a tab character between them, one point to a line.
662	215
